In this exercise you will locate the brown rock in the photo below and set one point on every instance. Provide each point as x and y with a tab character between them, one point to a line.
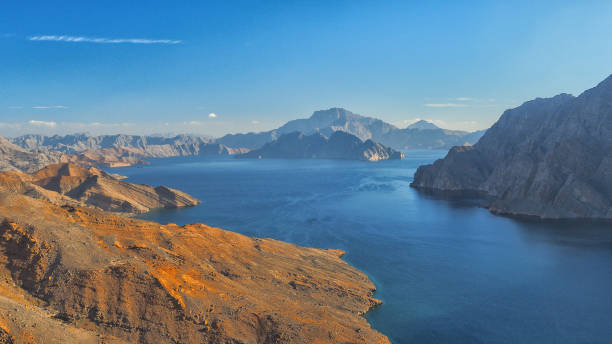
67	182
140	281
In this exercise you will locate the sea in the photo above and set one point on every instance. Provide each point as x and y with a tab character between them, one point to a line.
447	271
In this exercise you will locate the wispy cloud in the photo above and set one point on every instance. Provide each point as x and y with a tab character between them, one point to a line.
42	123
82	39
212	115
445	105
49	107
255	121
463	99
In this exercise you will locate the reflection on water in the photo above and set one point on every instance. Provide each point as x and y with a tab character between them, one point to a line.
447	271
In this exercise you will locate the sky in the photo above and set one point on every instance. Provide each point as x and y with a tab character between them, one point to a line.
221	67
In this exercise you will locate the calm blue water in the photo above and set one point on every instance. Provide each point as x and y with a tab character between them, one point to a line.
447	272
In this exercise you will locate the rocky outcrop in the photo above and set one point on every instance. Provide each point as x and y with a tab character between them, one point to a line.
339	145
63	182
548	158
141	282
421	135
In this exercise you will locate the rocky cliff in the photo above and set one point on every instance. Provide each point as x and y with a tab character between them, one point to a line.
548	158
339	145
72	274
64	182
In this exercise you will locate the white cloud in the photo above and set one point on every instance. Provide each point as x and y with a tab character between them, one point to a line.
463	99
445	105
81	39
255	122
49	107
42	123
212	115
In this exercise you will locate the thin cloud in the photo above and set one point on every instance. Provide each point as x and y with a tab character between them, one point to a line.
49	107
463	99
255	122
212	115
445	105
82	39
42	123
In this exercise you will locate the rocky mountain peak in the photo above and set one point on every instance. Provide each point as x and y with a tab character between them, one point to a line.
422	124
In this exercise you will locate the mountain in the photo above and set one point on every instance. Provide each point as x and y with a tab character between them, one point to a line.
339	145
15	158
78	275
89	186
123	146
423	125
422	135
548	158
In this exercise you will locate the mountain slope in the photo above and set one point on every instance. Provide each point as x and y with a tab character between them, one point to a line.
67	182
125	146
424	135
15	158
142	282
550	158
340	145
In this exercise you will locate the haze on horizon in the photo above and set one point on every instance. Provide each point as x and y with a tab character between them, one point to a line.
214	68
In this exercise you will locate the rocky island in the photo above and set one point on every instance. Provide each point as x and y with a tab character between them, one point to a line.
339	145
548	158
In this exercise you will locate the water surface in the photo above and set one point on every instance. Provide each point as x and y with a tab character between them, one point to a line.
447	271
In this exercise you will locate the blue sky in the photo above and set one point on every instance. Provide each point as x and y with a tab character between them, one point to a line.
162	66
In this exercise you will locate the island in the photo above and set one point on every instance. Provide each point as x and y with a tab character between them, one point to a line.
339	145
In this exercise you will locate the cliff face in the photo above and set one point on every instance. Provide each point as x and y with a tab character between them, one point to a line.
549	158
93	187
136	281
326	122
340	145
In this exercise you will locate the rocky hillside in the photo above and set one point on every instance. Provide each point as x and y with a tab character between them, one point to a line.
423	135
122	146
339	145
71	274
15	158
549	158
59	183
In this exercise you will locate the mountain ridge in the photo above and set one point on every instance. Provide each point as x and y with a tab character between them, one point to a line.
339	145
339	119
548	158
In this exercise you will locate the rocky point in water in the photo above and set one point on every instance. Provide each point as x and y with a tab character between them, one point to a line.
339	145
548	158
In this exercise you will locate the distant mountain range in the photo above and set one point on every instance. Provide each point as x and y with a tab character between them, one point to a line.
339	145
144	146
121	150
548	158
420	135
